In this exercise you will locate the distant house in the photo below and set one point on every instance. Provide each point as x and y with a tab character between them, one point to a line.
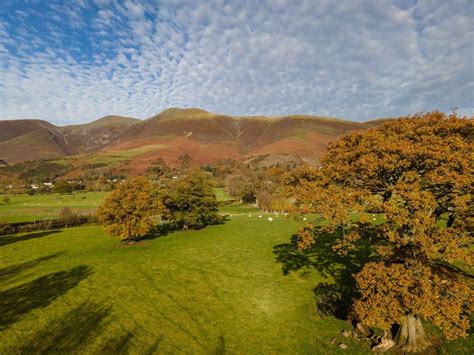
49	184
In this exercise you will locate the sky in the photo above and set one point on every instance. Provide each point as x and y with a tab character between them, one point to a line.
71	62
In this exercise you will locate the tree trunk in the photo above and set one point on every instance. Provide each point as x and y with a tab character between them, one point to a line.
411	336
450	220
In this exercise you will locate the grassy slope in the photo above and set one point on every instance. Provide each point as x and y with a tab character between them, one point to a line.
25	208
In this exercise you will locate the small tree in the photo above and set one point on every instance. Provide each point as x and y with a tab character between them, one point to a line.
66	215
415	174
243	185
129	211
190	201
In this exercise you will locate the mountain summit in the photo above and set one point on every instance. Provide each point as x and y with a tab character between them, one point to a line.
203	136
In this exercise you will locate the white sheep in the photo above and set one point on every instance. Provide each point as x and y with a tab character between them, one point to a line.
260	216
270	219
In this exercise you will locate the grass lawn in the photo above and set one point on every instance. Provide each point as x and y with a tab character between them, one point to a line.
25	208
237	287
209	291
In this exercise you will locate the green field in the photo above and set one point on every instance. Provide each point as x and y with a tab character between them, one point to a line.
25	208
200	292
237	287
221	194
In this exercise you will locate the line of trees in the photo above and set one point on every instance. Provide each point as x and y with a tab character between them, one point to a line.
135	206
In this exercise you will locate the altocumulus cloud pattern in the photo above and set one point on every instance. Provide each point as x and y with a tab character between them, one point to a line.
74	61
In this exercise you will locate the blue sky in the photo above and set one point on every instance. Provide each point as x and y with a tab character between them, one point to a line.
75	61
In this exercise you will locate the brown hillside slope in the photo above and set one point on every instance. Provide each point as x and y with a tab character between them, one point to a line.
37	144
22	140
14	128
98	134
208	137
203	136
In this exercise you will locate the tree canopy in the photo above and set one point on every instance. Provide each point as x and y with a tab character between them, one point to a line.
129	211
406	187
190	201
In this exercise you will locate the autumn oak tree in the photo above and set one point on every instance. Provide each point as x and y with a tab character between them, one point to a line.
415	175
129	211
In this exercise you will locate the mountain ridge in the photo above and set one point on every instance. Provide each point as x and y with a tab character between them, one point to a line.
204	136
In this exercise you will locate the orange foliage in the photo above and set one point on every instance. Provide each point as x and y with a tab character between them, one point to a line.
128	211
406	186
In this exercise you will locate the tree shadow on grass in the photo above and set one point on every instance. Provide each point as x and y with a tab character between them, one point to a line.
332	298
12	238
122	344
39	293
69	333
83	328
164	229
220	349
11	271
161	230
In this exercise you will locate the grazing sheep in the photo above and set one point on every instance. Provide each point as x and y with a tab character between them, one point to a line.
270	219
304	219
260	216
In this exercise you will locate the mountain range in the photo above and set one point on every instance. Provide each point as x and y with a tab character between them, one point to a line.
202	136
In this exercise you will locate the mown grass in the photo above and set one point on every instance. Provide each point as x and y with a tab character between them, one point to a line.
216	290
238	287
25	208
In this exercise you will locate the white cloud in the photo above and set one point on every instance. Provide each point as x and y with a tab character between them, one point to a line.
354	59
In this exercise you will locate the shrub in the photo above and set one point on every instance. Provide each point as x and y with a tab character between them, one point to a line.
67	216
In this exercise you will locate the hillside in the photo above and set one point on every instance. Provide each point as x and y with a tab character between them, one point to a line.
93	136
133	145
208	137
22	140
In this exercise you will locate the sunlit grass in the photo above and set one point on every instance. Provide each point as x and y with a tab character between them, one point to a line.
219	289
24	208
